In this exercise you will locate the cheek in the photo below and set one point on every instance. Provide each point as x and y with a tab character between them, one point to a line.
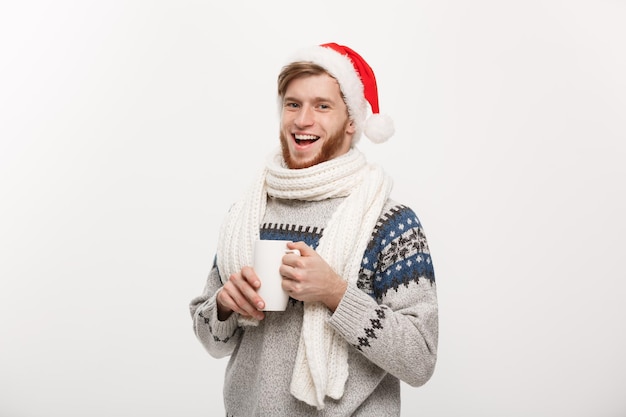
286	120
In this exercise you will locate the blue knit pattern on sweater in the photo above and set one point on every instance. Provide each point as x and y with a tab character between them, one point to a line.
396	255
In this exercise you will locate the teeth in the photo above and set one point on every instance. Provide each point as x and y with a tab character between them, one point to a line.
306	137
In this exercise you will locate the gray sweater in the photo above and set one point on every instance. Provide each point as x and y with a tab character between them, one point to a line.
389	318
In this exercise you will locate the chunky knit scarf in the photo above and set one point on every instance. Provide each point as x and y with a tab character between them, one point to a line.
321	367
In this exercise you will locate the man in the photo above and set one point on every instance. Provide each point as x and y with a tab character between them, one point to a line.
363	312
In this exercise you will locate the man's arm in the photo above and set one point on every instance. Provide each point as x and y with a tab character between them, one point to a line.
218	337
391	314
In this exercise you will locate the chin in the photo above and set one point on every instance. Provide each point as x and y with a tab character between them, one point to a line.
294	163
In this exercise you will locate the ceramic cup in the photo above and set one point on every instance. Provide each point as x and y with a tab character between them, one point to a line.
268	255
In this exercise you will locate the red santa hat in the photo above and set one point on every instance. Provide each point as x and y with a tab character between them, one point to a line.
358	85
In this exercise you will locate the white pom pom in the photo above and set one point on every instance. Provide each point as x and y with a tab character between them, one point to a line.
379	128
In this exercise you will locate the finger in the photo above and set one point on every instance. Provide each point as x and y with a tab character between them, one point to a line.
291	263
305	250
238	301
294	260
231	298
250	277
249	286
241	306
292	288
289	286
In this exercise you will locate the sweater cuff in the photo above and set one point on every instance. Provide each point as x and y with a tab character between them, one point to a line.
350	312
219	328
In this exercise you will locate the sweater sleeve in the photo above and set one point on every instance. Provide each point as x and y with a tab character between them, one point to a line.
391	315
219	338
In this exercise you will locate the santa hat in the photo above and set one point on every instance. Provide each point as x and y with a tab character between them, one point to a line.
358	85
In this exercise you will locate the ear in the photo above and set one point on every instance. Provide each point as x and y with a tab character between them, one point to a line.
350	129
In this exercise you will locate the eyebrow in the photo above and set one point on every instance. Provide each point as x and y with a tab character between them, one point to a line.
315	99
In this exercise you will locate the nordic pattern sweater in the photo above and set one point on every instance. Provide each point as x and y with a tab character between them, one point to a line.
389	318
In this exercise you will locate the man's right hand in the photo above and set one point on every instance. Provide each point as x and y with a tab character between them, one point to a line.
239	294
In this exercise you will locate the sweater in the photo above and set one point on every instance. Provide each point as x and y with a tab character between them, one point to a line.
389	318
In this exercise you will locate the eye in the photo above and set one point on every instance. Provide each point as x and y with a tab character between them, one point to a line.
324	106
291	105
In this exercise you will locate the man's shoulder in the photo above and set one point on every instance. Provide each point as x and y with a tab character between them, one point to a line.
393	209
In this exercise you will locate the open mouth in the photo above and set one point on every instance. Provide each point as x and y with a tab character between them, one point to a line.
305	139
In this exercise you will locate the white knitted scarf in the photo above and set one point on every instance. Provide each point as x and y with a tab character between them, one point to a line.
321	367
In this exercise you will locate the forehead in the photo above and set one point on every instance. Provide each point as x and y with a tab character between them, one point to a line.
322	85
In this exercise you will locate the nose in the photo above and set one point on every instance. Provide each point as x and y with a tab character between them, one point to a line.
305	116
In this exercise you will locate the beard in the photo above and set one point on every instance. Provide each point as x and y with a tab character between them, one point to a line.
330	149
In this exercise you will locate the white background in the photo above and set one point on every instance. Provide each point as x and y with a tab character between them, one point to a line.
127	128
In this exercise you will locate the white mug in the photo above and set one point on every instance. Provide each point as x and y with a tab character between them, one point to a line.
268	256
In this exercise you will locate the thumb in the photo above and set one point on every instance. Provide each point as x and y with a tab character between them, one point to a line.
305	250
